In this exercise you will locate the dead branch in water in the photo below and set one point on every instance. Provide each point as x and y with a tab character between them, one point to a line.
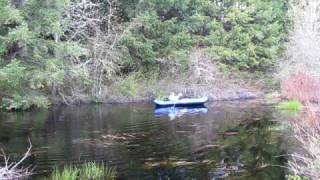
11	171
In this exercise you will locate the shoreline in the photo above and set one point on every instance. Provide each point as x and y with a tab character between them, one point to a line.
237	96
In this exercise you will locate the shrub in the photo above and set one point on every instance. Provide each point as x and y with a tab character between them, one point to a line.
25	102
301	87
129	87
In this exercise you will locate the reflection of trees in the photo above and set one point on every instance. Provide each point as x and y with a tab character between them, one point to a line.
222	117
256	150
16	127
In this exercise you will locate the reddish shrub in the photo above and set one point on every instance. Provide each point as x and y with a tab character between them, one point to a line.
309	117
301	87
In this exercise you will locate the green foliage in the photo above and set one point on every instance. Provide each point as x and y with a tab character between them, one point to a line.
251	34
38	55
293	106
68	173
34	55
12	75
246	34
129	87
90	170
93	171
25	102
161	95
296	177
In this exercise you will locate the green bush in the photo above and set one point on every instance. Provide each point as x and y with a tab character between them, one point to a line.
246	34
11	76
18	102
129	87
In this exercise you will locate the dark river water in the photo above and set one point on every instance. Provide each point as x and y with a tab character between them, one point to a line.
228	140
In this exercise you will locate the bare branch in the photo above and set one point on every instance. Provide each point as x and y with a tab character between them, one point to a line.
11	171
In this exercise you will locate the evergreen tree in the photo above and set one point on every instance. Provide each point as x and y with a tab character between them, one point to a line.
35	59
246	34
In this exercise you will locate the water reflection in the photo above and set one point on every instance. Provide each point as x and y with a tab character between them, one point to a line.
230	140
174	112
249	150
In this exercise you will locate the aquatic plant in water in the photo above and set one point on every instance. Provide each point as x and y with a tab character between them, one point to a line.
89	170
292	106
68	173
93	171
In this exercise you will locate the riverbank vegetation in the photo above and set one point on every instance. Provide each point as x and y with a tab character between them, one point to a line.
305	162
83	51
89	170
299	74
300	82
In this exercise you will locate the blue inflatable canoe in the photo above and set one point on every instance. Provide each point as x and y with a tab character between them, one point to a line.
184	102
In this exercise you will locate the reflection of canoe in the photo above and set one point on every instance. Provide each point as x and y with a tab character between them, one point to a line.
179	111
185	102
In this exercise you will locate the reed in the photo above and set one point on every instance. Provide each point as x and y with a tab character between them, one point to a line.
68	173
89	170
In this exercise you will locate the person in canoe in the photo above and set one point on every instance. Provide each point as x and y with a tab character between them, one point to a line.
173	97
175	100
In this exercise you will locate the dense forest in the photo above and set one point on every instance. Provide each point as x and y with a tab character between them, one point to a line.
67	51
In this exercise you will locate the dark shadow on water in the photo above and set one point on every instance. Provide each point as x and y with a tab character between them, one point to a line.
227	140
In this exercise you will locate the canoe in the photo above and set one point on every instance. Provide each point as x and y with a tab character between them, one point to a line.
184	102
